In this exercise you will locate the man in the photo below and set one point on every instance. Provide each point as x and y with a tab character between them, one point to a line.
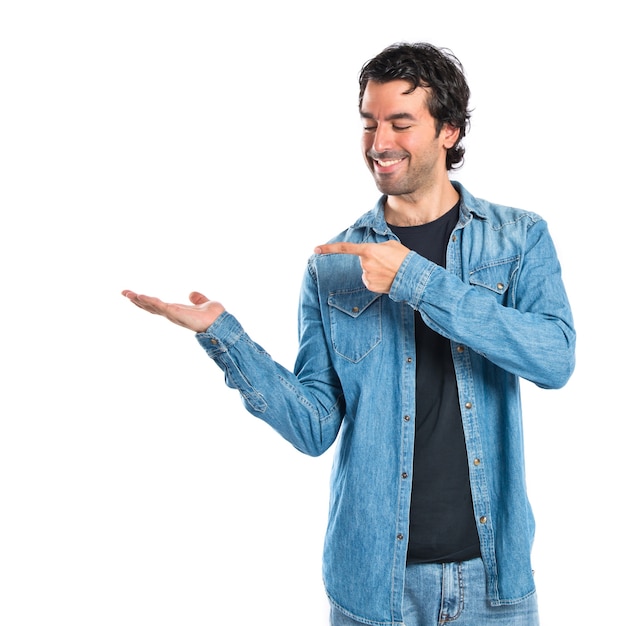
415	326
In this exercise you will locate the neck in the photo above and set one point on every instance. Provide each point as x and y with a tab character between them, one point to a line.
420	207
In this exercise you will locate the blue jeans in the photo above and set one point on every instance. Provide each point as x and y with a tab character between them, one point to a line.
455	594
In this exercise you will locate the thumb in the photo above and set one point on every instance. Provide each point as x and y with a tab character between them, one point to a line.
197	298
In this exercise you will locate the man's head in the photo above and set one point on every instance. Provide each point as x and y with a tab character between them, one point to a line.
436	70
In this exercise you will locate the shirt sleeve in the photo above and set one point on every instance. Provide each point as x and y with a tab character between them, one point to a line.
531	334
305	407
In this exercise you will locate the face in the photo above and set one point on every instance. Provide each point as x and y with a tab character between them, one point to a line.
400	143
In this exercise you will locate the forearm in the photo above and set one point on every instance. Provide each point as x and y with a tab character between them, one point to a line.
533	339
307	414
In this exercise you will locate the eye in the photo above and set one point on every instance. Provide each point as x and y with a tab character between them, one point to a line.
369	129
400	128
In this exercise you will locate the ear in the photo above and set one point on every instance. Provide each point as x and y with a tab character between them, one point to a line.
450	135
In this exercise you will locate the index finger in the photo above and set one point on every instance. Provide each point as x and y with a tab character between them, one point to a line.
342	247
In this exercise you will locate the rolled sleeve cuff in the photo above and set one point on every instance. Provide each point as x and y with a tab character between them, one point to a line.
411	279
221	335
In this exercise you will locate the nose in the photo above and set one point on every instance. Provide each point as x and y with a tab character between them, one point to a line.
382	138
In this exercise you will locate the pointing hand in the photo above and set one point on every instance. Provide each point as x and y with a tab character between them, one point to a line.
379	261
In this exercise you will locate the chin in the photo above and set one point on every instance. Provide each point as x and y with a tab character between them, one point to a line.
387	189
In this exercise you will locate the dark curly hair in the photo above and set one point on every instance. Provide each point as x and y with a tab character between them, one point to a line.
425	65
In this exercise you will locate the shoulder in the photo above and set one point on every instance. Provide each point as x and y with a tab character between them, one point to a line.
495	215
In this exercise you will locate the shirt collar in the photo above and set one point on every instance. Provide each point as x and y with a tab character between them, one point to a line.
375	218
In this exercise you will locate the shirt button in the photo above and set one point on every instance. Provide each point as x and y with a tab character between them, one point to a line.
460	348
214	342
483	519
409	360
468	405
405	475
500	286
400	537
476	462
407	418
355	309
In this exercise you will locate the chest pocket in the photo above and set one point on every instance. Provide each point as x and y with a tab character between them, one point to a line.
355	322
497	277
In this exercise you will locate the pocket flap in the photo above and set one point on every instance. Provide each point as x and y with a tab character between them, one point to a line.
495	276
353	302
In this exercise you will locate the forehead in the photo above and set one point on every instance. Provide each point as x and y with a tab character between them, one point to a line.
393	96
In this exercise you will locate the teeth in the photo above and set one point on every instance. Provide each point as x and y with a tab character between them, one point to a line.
388	163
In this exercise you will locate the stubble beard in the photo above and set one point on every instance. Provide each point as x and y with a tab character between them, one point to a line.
409	184
419	176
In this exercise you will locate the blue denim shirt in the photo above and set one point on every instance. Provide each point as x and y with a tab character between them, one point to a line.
501	302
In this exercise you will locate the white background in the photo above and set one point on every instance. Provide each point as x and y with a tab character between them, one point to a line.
170	146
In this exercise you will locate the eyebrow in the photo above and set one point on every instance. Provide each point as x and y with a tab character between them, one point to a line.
390	118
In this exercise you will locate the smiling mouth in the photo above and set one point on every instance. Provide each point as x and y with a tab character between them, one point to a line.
387	163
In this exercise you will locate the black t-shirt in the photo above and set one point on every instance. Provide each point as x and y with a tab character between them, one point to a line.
442	525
